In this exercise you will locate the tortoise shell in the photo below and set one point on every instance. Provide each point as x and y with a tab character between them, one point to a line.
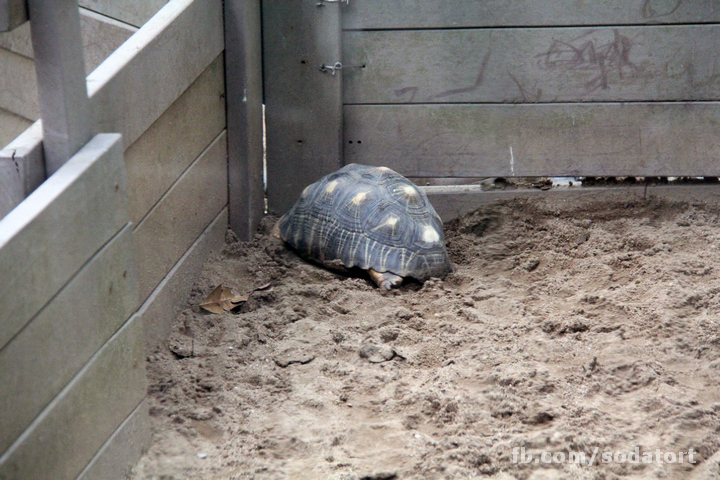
371	218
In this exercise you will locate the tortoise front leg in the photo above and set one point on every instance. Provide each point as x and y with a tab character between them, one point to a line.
385	280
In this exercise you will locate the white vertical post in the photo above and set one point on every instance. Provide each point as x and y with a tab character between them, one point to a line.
62	90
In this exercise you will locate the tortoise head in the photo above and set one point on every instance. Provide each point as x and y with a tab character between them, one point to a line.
275	232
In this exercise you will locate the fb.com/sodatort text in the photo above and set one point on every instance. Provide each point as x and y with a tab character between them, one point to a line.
520	455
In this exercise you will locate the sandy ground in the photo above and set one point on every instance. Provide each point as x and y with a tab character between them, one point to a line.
567	326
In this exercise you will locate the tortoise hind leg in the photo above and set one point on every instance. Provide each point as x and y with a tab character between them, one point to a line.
385	280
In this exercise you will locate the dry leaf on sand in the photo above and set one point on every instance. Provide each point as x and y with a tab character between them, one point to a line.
222	300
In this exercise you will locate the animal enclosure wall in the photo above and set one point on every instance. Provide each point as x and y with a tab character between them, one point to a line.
479	89
164	91
70	349
104	28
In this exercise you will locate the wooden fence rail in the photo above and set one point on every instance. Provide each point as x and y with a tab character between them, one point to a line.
97	259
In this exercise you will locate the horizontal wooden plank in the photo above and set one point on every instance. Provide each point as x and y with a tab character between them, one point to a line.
141	79
101	36
645	139
46	239
181	215
658	63
12	14
123	449
12	174
54	345
22	168
452	205
18	80
11	182
73	427
17	40
11	125
18	85
133	12
379	14
171	294
156	159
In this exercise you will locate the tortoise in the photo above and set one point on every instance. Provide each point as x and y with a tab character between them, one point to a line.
371	218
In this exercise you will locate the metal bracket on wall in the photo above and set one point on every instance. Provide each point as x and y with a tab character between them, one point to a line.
321	3
337	66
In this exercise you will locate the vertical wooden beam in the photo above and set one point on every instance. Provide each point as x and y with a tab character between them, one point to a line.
243	83
303	105
64	106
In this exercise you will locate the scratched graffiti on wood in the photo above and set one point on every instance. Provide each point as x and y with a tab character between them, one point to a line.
535	65
599	59
655	9
448	93
478	81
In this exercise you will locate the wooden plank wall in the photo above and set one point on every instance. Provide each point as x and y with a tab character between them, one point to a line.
303	105
552	88
164	91
18	93
70	348
21	170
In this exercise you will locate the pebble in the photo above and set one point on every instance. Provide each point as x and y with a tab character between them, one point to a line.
202	455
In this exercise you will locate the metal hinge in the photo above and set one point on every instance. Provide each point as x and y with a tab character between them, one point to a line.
321	3
337	66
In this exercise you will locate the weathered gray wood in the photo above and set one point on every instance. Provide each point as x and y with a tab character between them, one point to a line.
11	181
161	154
123	449
60	68
133	12
22	168
142	78
12	169
74	426
451	205
645	139
18	40
660	63
243	54
46	239
100	35
11	125
171	294
303	105
18	85
197	197
150	71
62	337
12	14
145	75
377	14
18	80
